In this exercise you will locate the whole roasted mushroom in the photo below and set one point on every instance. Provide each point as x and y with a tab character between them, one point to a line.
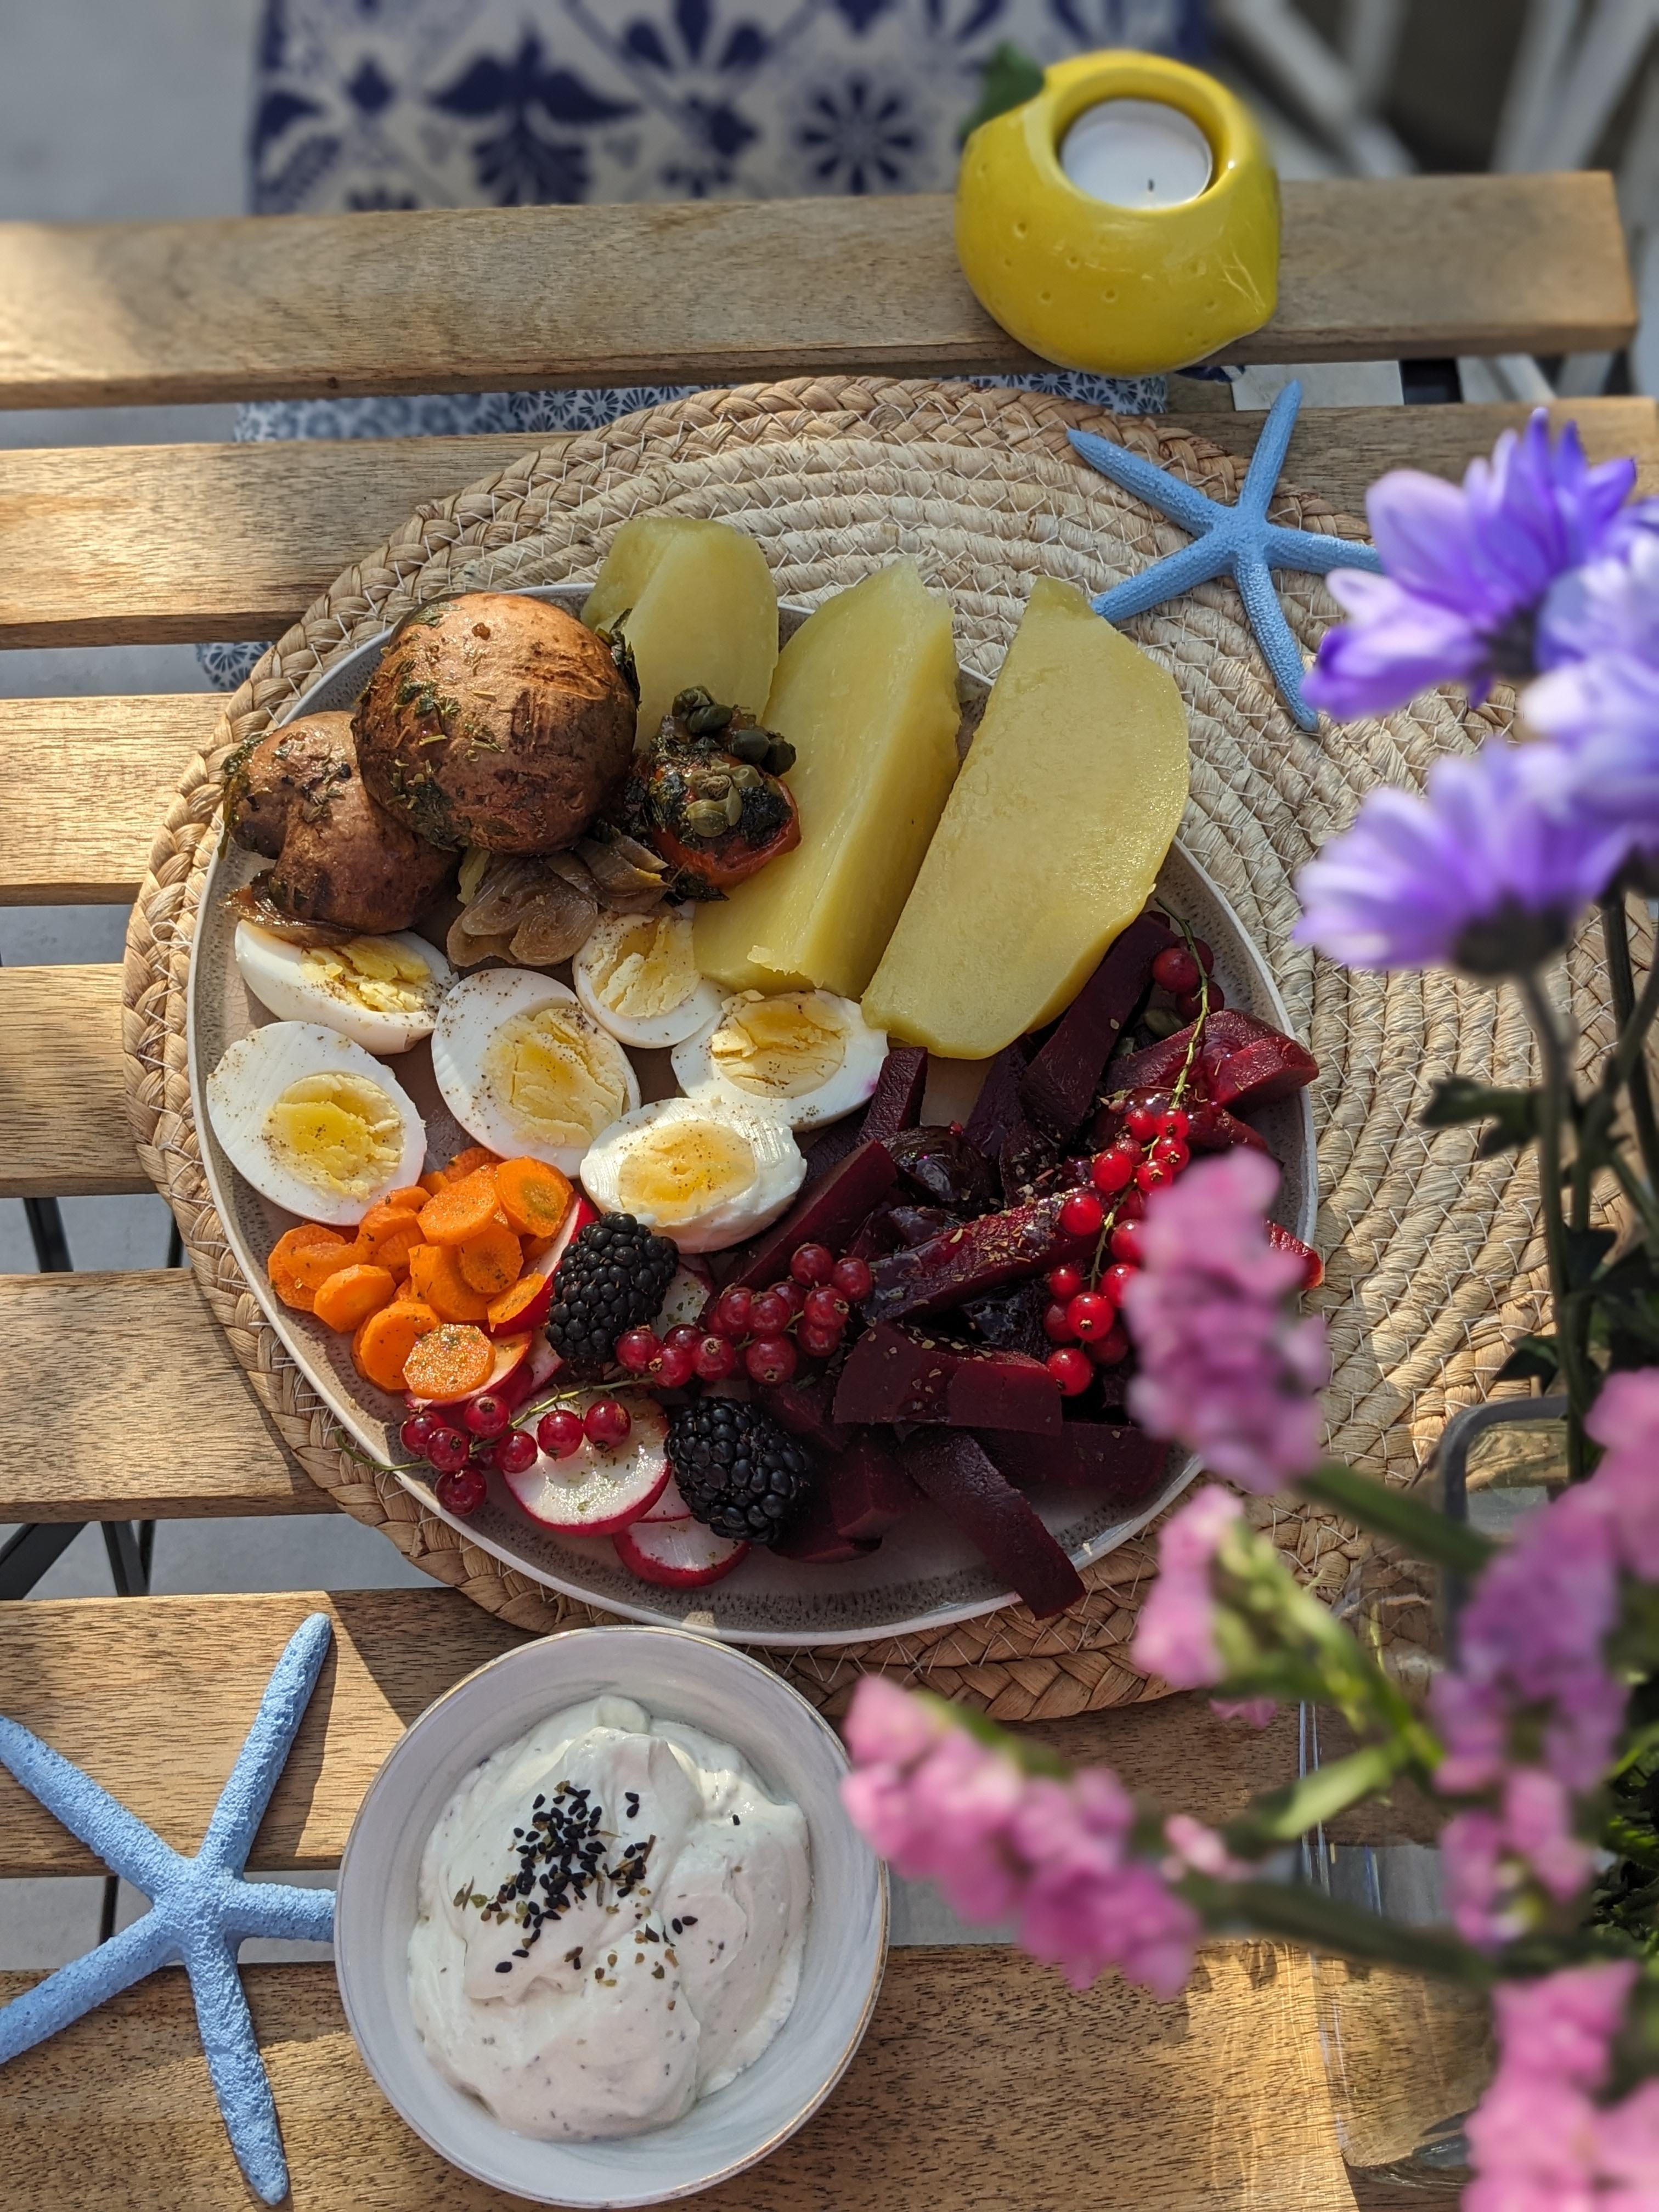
497	721
297	797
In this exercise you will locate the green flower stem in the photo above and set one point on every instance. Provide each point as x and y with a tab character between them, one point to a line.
1305	1916
1276	1640
1425	1531
1553	1113
1634	1038
1279	1816
1639	1194
1027	1754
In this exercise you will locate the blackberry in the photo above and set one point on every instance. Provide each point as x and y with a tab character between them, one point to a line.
737	1469
614	1277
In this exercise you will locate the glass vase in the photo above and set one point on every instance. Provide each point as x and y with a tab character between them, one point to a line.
1407	2059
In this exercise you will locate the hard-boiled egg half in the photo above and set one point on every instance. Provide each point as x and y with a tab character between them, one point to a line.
706	1171
313	1123
525	1071
808	1054
637	977
380	991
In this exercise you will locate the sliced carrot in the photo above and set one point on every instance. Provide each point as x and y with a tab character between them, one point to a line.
313	1264
534	1197
465	1210
475	1155
351	1294
516	1307
282	1267
491	1262
536	1248
389	1234
410	1199
385	1340
435	1274
448	1361
431	1182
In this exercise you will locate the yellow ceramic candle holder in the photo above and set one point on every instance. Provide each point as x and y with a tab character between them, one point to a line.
1125	286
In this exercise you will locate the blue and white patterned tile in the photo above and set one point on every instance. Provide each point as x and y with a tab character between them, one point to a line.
420	103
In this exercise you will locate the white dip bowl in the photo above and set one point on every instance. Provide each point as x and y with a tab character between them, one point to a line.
794	1754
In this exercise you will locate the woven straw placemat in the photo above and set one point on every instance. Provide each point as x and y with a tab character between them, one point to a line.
1433	1259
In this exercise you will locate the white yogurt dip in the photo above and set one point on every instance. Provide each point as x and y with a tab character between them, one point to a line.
611	1921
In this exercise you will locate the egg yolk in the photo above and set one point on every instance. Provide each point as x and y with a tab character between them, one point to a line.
780	1048
683	1169
336	1133
556	1075
645	967
372	972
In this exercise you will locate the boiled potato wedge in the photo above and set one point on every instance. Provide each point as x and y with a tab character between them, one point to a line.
865	691
1051	839
700	609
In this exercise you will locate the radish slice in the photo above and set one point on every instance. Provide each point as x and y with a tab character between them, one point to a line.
671	1506
677	1554
687	1296
582	1210
602	1487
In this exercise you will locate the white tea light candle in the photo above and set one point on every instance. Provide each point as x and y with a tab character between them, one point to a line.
1137	153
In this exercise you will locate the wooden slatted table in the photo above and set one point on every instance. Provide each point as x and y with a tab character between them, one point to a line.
983	2082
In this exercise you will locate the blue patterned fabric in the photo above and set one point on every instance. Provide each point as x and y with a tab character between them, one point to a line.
453	103
373	104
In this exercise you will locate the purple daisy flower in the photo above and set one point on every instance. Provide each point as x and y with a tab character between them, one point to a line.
1466	570
1487	871
1611	604
1604	766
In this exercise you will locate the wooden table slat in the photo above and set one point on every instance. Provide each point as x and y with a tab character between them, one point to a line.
144	1345
62	1104
106	1680
157	545
983	2085
726	292
83	786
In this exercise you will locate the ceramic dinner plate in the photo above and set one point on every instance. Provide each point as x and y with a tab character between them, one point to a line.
925	1574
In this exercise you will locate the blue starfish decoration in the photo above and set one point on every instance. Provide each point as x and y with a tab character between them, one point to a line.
200	1909
1237	540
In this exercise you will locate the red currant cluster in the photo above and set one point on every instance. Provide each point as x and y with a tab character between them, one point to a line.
1177	970
1149	1150
462	1450
763	1332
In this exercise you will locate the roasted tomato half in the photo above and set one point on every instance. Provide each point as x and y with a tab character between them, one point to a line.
710	797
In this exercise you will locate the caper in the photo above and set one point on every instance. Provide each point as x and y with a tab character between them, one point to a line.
703	721
689	701
714	785
780	757
747	778
751	745
734	808
704	817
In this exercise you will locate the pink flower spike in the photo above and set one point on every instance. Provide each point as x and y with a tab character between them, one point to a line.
1626	1420
1053	1855
885	1723
1226	1367
1175	1634
1538	1828
1257	1712
1537	2138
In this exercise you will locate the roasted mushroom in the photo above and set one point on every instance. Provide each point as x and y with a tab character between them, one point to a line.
297	797
496	721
